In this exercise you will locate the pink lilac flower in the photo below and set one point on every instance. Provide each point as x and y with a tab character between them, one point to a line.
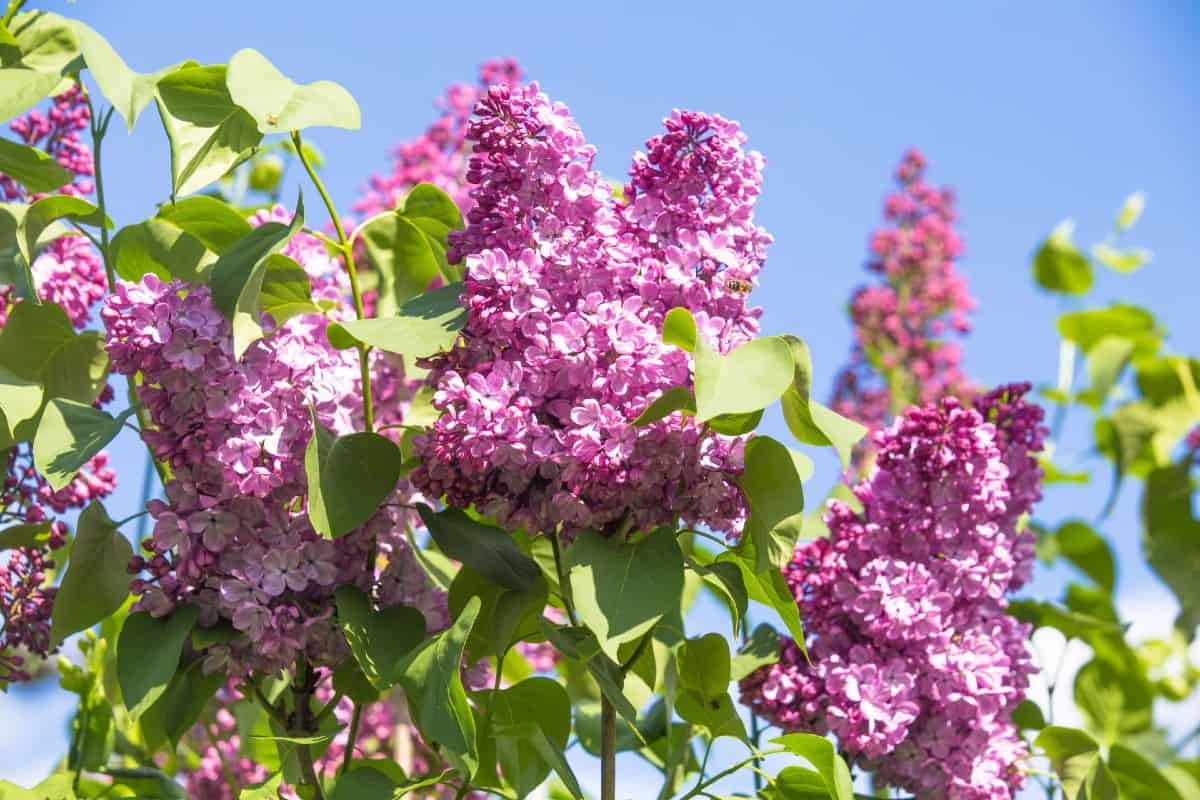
231	537
915	666
901	353
566	287
439	155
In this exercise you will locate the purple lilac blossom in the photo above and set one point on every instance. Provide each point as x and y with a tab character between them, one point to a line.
230	537
566	287
915	666
901	354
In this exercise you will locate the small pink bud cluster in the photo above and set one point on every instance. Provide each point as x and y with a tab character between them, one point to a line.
901	355
566	289
915	666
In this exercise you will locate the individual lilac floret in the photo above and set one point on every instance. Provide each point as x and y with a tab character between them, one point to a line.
915	666
566	288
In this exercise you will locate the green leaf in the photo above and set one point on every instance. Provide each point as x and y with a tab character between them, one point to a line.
96	582
33	534
1087	550
34	169
78	370
1138	778
31	336
379	639
773	483
237	276
819	752
798	783
433	685
43	213
1028	716
129	92
1170	532
716	714
363	783
1075	757
277	104
769	588
679	329
349	477
485	548
214	222
20	401
68	435
809	421
1087	328
621	589
208	133
425	325
1131	211
1058	264
531	720
148	653
760	650
156	246
1116	701
750	377
269	789
670	401
32	63
725	580
1121	260
1105	362
408	247
703	665
286	290
506	616
580	644
176	711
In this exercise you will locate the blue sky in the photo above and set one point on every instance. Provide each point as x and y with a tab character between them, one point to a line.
1033	112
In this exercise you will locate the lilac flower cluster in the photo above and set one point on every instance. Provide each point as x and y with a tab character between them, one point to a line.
566	287
915	666
57	132
67	272
900	354
439	155
231	537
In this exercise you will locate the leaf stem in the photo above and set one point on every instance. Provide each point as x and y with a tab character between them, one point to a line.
608	749
13	7
699	788
347	249
564	587
351	740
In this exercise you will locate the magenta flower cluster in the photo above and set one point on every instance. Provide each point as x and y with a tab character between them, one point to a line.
56	131
566	287
439	155
915	666
67	272
901	354
231	537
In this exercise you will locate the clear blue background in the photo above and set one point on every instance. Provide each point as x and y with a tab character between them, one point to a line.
1032	111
